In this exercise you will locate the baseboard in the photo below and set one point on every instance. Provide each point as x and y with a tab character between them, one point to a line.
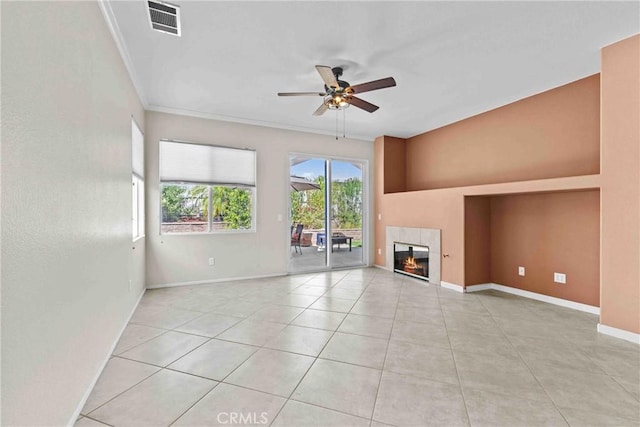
533	295
480	287
452	286
619	333
103	365
225	279
382	267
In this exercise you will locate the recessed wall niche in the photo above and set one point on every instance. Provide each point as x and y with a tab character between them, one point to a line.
543	232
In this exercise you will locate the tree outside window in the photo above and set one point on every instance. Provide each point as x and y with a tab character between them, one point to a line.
186	208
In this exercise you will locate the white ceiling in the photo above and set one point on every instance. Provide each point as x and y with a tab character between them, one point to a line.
451	60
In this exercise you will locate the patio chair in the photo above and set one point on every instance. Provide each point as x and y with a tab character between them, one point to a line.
296	237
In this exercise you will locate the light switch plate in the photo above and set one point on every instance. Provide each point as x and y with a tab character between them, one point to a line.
560	278
520	271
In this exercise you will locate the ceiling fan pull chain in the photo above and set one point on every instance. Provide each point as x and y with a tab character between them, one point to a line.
344	123
336	125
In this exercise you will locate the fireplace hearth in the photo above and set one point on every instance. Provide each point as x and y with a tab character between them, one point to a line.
411	259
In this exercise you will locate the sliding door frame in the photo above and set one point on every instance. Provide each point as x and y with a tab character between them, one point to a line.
366	208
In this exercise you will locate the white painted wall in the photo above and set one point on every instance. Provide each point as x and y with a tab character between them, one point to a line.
184	258
67	254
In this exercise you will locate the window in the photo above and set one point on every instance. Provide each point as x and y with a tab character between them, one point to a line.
137	181
206	188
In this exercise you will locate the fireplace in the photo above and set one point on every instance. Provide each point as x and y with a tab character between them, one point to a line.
412	260
427	238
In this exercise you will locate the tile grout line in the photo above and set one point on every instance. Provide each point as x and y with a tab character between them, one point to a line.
121	393
194	404
321	350
386	352
209	339
95	419
315	359
218	382
527	366
255	292
166	367
164	332
455	364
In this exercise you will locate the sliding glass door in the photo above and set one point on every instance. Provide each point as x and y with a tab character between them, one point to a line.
346	213
326	213
308	213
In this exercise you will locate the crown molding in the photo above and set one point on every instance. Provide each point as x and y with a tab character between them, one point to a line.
114	29
252	122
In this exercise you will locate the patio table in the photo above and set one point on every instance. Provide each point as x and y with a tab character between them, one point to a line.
336	239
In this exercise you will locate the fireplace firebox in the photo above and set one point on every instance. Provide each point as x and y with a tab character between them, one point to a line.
412	260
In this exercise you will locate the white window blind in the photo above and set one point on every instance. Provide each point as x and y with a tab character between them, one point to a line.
137	150
206	164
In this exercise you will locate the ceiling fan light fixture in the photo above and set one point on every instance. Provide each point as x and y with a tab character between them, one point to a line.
335	102
339	94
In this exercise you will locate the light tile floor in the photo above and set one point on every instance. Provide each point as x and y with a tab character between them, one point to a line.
361	347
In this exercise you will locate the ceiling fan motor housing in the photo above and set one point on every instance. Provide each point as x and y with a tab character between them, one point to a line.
343	85
337	71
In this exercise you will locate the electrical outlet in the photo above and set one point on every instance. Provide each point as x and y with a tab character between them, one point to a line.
379	216
379	251
212	261
520	271
560	278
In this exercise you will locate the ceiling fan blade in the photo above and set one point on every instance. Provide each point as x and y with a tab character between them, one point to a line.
360	103
321	109
327	75
301	94
373	85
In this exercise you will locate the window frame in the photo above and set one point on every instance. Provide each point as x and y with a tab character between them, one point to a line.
253	191
139	217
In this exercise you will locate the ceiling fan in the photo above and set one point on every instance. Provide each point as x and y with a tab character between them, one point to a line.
338	94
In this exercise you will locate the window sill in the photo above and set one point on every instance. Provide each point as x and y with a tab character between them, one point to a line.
210	233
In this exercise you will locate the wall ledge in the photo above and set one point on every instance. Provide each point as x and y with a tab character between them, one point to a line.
543	185
619	333
536	296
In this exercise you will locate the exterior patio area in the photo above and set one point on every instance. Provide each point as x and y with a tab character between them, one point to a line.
313	257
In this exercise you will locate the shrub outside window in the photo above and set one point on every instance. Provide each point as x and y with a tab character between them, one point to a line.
186	208
206	189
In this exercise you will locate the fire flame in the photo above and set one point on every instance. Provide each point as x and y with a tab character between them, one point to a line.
410	263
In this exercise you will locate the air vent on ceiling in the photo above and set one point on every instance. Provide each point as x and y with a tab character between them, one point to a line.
164	17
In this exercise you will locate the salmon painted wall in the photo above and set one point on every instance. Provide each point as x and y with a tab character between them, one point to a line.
477	240
547	233
444	208
620	243
553	134
441	209
395	159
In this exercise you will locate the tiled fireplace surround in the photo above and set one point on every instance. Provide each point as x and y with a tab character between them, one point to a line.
419	236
